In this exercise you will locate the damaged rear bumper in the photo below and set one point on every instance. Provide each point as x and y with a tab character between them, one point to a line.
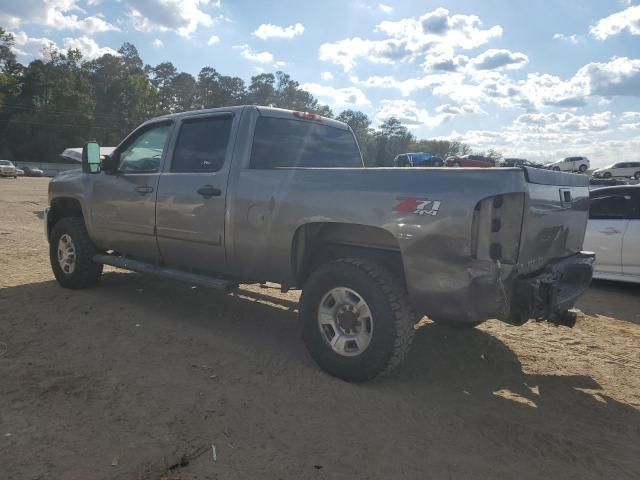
550	293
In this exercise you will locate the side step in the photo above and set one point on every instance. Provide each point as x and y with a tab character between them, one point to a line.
226	286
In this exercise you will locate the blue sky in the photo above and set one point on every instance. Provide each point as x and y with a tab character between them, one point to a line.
535	79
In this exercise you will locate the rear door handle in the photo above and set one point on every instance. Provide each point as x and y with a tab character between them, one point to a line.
610	231
209	191
144	189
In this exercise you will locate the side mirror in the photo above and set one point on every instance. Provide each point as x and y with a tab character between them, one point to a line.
91	158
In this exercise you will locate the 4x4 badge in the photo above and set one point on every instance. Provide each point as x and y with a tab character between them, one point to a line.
419	206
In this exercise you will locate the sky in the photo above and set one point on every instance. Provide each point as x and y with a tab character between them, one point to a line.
538	79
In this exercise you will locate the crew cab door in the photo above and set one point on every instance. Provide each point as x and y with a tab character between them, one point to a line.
609	216
631	240
123	203
190	216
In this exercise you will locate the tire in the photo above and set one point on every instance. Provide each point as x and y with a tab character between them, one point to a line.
636	175
606	174
456	164
557	169
84	273
582	168
390	322
437	164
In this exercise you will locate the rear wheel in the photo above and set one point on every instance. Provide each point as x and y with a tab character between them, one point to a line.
582	169
437	163
636	175
455	164
356	319
71	254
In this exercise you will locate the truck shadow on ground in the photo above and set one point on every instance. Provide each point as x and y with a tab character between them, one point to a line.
465	390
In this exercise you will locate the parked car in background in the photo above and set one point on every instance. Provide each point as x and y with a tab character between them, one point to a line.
620	169
570	164
613	233
471	161
417	159
19	172
606	182
519	162
33	172
7	169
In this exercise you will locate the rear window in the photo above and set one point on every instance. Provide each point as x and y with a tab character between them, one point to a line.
279	142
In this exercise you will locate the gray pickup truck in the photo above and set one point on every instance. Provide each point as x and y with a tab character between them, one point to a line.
254	194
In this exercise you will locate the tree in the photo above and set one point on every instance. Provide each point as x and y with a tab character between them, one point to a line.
391	139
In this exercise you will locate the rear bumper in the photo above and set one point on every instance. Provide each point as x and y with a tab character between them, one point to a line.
548	294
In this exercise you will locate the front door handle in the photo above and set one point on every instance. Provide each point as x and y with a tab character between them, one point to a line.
209	191
610	231
144	189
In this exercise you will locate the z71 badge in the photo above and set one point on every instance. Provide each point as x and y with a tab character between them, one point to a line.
419	206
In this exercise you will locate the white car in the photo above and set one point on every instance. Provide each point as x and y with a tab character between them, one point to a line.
620	169
570	164
613	232
7	169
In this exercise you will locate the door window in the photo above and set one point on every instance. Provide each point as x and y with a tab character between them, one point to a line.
144	153
616	206
202	144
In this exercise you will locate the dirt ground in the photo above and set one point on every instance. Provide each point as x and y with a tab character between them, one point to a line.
139	375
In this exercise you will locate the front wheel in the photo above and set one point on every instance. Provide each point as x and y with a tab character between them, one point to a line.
557	169
582	169
636	175
356	319
71	254
456	164
606	174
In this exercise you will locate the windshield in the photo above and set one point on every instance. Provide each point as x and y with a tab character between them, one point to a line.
420	157
6	162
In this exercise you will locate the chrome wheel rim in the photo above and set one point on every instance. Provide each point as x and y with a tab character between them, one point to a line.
67	254
345	321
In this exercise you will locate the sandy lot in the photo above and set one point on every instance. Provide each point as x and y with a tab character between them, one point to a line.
138	375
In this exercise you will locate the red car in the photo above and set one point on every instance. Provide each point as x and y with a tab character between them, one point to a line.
470	161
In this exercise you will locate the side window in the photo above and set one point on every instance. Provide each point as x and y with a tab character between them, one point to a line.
143	154
616	206
279	142
202	145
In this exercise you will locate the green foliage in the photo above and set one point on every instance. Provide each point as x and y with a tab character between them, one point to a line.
63	100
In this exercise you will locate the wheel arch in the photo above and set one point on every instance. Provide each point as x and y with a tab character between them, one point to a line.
316	243
63	207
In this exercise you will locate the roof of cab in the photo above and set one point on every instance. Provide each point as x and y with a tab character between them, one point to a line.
264	111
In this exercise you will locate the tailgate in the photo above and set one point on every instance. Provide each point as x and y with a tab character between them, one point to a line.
555	217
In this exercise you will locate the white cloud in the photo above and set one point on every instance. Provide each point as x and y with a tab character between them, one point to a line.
385	8
268	30
253	56
54	14
28	48
567	38
500	58
157	43
327	76
89	48
628	20
213	39
446	62
467	108
630	117
410	114
618	77
337	96
33	47
436	32
181	16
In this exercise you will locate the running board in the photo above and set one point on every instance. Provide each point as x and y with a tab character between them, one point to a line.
226	286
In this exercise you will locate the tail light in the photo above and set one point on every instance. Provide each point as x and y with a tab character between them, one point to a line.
496	228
